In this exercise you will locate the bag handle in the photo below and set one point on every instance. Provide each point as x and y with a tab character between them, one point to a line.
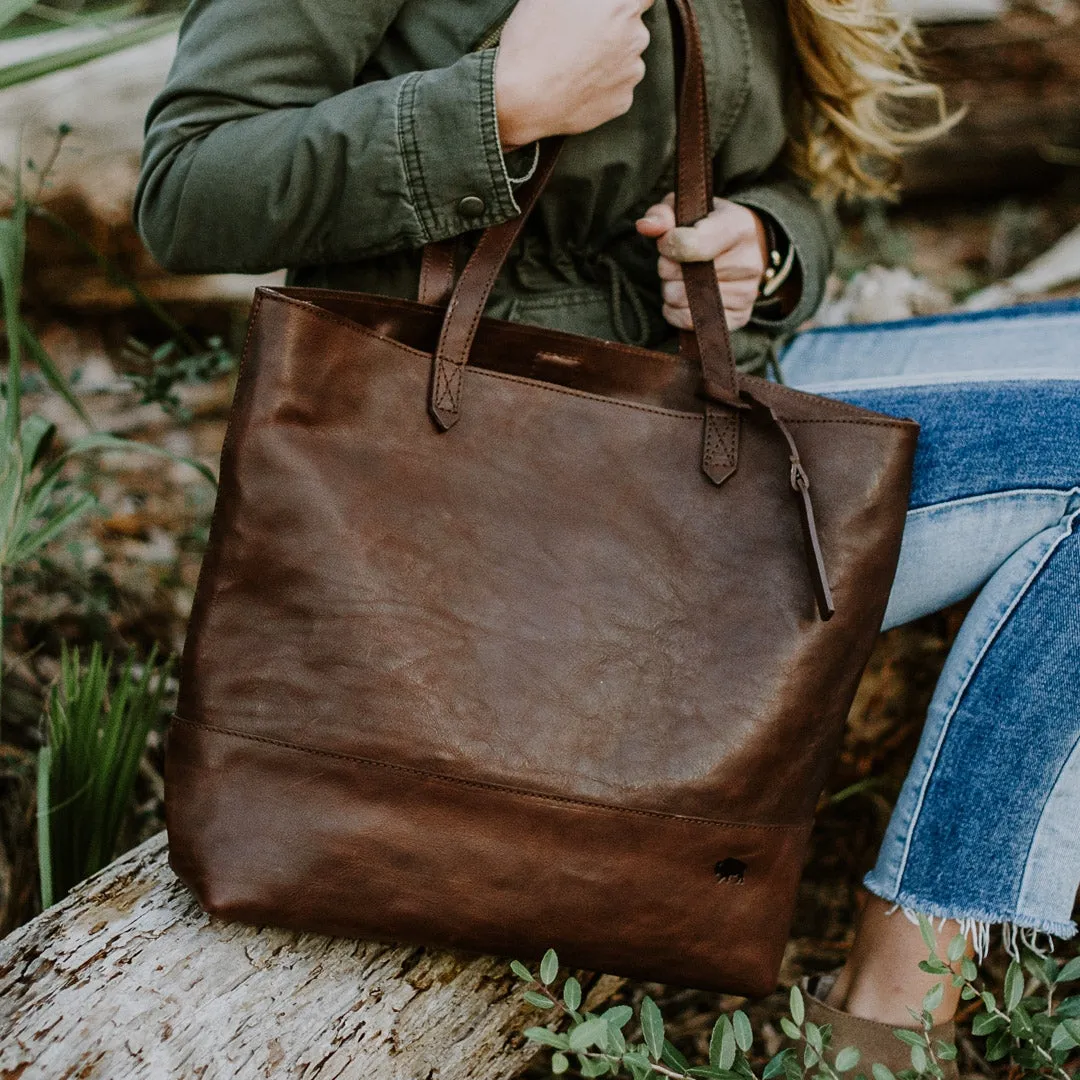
708	347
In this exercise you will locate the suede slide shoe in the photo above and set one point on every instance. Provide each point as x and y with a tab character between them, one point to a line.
875	1041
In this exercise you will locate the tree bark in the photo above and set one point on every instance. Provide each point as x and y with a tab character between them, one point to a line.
127	978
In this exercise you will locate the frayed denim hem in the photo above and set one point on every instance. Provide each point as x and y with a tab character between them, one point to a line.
1016	930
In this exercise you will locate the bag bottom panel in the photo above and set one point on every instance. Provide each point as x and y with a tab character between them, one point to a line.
265	833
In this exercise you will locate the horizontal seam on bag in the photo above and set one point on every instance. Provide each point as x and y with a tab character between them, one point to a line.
898	423
482	785
319	313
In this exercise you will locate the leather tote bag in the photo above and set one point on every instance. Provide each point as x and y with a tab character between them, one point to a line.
507	638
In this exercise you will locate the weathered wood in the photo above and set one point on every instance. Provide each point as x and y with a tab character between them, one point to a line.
127	978
1020	80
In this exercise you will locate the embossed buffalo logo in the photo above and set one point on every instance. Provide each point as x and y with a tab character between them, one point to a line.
730	871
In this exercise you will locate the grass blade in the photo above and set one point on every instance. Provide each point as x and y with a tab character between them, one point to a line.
37	67
44	822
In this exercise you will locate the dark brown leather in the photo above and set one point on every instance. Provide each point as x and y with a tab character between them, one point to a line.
437	273
533	680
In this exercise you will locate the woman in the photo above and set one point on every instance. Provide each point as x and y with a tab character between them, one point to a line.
338	138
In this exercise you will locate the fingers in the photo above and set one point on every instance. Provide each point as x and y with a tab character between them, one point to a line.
738	297
737	294
743	266
658	219
727	227
681	319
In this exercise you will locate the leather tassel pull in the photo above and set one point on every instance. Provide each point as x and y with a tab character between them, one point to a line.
800	484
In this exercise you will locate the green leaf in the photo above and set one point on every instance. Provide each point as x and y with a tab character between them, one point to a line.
547	1038
593	1066
549	967
53	375
1042	968
571	994
12	255
1073	1028
652	1027
618	1016
1069	1007
35	435
957	948
540	1001
559	1064
790	1029
31	542
521	971
44	831
10	10
1014	986
934	997
997	1046
594	1032
945	1051
1070	972
776	1065
796	1005
968	969
636	1060
910	1038
985	1023
810	1057
744	1033
616	1041
102	440
928	935
1021	1025
722	1045
671	1057
1062	1039
848	1058
715	1041
135	33
919	1060
813	1036
881	1072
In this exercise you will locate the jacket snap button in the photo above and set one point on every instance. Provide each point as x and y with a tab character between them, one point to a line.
472	206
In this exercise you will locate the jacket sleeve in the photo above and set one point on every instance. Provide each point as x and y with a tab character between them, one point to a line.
262	151
810	228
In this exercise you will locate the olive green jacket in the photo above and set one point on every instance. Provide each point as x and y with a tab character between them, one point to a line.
337	137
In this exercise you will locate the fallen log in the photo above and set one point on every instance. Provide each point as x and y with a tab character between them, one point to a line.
1019	77
128	979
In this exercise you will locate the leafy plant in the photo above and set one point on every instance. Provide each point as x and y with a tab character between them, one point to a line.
1038	1037
36	504
1028	1029
112	26
96	732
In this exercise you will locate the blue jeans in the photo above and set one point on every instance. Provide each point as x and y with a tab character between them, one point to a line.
987	826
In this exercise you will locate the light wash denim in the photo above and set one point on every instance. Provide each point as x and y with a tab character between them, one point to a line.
987	826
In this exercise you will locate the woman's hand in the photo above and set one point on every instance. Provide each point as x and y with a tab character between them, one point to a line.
732	236
565	66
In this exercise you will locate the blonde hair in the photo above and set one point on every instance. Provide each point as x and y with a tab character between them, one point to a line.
862	99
